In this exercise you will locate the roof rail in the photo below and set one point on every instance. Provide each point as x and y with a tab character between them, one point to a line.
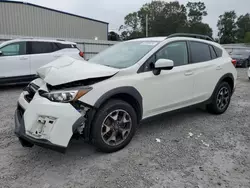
60	39
191	35
26	38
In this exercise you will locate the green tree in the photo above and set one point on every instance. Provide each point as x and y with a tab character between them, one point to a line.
247	37
227	27
113	36
196	11
165	18
243	24
201	28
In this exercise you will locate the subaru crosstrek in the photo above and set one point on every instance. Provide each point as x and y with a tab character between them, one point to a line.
103	100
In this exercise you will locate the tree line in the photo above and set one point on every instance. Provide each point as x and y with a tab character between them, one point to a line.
165	18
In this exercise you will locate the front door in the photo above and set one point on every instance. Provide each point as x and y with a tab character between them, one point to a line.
14	61
172	89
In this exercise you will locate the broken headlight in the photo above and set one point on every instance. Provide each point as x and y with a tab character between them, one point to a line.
65	96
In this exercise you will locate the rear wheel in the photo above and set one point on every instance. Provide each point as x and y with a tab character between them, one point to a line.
220	99
114	126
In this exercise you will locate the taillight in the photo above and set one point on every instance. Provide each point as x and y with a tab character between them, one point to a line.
81	54
234	62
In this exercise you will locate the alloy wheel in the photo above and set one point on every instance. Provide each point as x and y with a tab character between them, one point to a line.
116	127
223	98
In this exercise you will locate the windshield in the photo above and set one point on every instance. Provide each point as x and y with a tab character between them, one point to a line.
241	52
124	54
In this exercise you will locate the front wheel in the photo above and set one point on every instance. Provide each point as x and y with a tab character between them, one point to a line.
114	126
220	99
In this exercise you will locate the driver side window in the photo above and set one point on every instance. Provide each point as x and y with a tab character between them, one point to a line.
14	49
176	51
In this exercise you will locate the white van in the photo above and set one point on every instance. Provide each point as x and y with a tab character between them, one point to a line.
20	58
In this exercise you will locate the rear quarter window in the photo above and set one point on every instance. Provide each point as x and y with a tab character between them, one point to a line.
63	46
218	51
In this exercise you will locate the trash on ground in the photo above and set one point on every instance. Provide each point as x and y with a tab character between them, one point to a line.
158	140
190	134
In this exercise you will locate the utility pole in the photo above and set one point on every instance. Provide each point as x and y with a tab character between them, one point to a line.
147	22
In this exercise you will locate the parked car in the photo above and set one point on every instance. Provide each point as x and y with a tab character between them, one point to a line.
20	58
242	56
103	100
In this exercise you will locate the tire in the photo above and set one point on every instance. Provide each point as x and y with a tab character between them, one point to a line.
215	107
102	136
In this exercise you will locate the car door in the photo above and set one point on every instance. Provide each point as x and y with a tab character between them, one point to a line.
207	69
172	89
14	60
41	53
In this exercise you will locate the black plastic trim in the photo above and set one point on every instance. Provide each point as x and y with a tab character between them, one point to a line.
228	75
199	36
28	141
122	90
17	79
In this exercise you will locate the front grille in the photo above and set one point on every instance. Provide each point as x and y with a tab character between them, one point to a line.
31	89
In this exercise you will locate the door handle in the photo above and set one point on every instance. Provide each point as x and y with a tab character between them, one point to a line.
189	73
218	68
23	58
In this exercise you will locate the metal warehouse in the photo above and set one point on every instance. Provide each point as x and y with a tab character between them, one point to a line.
25	19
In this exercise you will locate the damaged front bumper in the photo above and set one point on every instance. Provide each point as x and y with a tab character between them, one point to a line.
28	141
49	124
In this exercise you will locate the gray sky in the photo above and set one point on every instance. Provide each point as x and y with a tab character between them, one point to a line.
114	11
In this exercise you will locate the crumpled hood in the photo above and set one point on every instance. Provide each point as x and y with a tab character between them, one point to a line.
67	69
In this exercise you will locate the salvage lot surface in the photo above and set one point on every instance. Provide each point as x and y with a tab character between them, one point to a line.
196	149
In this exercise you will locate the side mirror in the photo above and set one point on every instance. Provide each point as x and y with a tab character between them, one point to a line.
1	53
163	64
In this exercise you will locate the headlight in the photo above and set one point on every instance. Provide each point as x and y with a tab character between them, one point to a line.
65	96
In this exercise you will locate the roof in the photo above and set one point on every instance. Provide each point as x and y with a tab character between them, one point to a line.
37	40
38	6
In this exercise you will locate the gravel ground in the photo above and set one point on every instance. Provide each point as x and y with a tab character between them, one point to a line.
196	149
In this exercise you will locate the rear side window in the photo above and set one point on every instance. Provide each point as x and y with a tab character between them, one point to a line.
213	54
63	46
218	51
41	47
200	52
14	49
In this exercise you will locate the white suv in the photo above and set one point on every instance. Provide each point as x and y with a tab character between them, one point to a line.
20	58
105	99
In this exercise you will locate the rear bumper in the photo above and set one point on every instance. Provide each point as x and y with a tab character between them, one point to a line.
27	141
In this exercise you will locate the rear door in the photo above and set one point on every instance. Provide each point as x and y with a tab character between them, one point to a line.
207	67
14	61
41	53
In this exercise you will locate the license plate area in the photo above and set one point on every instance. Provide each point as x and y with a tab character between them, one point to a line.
42	127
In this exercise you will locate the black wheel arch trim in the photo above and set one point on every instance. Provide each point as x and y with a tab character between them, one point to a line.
129	90
228	75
